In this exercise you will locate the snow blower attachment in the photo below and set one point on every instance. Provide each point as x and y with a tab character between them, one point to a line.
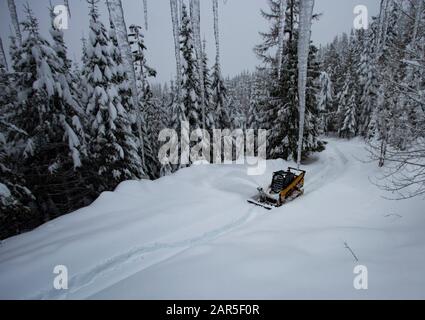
285	186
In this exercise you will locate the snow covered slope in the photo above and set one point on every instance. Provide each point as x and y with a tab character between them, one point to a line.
193	235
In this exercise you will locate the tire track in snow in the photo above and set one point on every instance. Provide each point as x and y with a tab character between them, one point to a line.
84	279
335	164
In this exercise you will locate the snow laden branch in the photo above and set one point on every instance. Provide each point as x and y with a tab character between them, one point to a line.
195	12
176	35
282	19
15	20
117	16
306	14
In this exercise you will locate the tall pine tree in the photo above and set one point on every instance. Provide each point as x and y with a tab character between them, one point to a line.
113	146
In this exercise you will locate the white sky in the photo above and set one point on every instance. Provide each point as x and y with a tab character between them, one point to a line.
240	22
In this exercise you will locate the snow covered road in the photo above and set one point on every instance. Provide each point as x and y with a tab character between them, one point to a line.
193	235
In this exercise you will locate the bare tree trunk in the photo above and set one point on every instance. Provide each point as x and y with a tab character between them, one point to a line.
195	11
176	34
3	61
216	31
306	14
282	19
145	11
15	20
384	137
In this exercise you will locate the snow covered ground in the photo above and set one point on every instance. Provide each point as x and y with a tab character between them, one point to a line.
193	235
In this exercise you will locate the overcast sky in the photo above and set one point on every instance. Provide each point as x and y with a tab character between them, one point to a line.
240	22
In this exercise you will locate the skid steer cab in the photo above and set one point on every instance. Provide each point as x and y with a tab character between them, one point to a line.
286	186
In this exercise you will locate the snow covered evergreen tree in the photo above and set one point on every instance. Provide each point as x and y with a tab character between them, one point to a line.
159	119
349	124
240	89
368	83
325	100
259	99
333	65
195	16
17	203
219	98
58	41
190	82
350	87
69	80
178	118
209	105
120	76
17	209
282	112
113	146
219	91
14	51
149	129
49	114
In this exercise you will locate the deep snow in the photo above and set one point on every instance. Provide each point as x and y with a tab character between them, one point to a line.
193	235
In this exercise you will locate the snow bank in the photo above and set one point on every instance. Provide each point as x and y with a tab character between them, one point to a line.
193	235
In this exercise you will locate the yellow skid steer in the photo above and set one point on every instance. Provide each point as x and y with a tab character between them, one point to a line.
285	186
